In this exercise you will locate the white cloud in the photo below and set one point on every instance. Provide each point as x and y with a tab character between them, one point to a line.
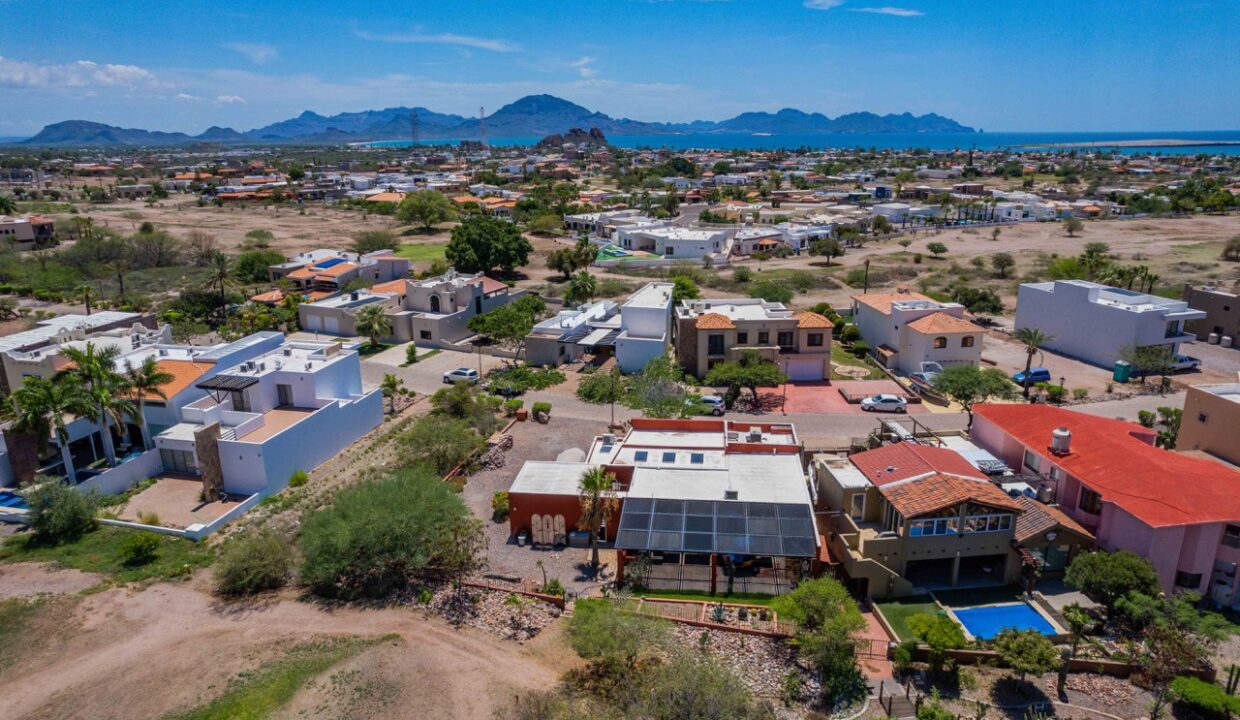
441	39
888	10
257	53
823	4
82	73
230	100
584	67
186	97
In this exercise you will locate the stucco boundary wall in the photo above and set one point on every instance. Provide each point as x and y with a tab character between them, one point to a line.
701	621
117	480
193	532
664	262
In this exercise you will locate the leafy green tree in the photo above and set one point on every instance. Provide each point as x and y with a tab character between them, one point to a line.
598	504
771	291
978	300
1027	651
658	390
1072	226
751	371
602	631
545	224
368	241
581	288
1231	251
253	266
482	243
254	562
936	248
508	325
829	626
258	239
1106	577
601	388
372	321
969	385
59	513
467	402
940	633
701	687
427	208
379	534
1148	360
827	247
683	288
1033	339
1169	418
1001	263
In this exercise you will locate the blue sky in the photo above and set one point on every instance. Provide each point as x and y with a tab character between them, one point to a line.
1003	65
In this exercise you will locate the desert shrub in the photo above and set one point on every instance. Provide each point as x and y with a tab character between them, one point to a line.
140	548
601	388
850	333
861	348
771	291
553	587
58	513
541	410
1204	696
381	533
511	407
1080	393
411	354
253	563
499	504
742	274
149	518
298	478
1055	393
692	685
517	380
441	443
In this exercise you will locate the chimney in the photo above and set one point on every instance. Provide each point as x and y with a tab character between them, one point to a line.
1061	441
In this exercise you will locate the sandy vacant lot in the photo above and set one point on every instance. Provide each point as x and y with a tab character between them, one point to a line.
127	653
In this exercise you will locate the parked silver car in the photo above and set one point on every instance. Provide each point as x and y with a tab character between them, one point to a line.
885	403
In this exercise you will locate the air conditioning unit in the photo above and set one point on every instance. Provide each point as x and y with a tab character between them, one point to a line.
755	436
733	436
609	439
288	352
730	495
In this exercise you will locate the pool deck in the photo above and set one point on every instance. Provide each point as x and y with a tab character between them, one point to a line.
176	500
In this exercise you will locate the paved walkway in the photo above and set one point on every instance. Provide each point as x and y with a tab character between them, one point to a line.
874	666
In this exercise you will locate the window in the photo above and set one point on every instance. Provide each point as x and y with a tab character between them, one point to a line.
814	339
424	334
940	342
1203	418
966	341
785	339
1090	502
641	456
742	338
987	523
697	458
764	338
1190	581
669	457
937	526
1231	536
1032	461
714	344
858	506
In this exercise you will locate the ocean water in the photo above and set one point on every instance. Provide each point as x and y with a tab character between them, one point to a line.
888	141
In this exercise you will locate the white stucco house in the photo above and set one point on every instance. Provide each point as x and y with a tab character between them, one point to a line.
907	328
635	331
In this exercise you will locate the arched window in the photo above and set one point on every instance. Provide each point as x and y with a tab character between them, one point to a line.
434	303
940	342
966	341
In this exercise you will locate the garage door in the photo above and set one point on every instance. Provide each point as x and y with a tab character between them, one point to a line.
331	325
314	322
804	369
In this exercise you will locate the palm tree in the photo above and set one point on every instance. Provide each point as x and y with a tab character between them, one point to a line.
86	293
146	380
391	387
598	502
581	288
220	278
374	323
7	206
1033	339
107	391
39	408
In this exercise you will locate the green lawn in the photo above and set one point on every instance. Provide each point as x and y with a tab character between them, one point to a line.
700	595
970	597
899	610
100	552
841	356
259	694
422	252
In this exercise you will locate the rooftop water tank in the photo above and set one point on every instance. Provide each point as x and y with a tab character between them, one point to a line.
1061	441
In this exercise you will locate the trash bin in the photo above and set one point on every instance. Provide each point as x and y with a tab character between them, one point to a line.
1123	371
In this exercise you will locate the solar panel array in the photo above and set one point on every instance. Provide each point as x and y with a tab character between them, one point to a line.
709	526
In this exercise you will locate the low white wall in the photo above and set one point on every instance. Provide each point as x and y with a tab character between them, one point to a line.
119	479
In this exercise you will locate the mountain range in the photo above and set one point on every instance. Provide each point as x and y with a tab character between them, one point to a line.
531	116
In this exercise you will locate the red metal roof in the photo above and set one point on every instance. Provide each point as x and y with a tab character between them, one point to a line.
1117	459
901	461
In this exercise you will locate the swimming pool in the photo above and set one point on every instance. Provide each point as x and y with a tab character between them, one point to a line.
12	500
331	262
988	621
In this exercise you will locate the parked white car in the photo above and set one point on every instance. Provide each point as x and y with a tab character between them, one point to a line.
714	403
460	375
885	403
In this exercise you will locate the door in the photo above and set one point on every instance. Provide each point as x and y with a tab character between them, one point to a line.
804	369
284	395
331	325
313	322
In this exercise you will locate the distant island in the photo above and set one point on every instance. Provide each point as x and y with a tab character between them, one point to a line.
530	116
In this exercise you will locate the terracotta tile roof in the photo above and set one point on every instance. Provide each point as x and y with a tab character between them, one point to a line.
901	461
392	197
490	285
937	492
713	321
882	301
183	372
941	322
812	320
1040	518
336	270
273	296
394	286
304	273
1118	460
314	295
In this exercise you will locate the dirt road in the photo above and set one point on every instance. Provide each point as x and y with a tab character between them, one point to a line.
140	654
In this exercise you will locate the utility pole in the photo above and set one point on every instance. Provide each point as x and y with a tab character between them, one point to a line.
482	123
866	288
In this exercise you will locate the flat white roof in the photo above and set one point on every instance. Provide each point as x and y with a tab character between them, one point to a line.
754	478
845	473
547	477
651	295
50	327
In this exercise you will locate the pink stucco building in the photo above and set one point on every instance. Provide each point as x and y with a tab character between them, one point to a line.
1180	512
